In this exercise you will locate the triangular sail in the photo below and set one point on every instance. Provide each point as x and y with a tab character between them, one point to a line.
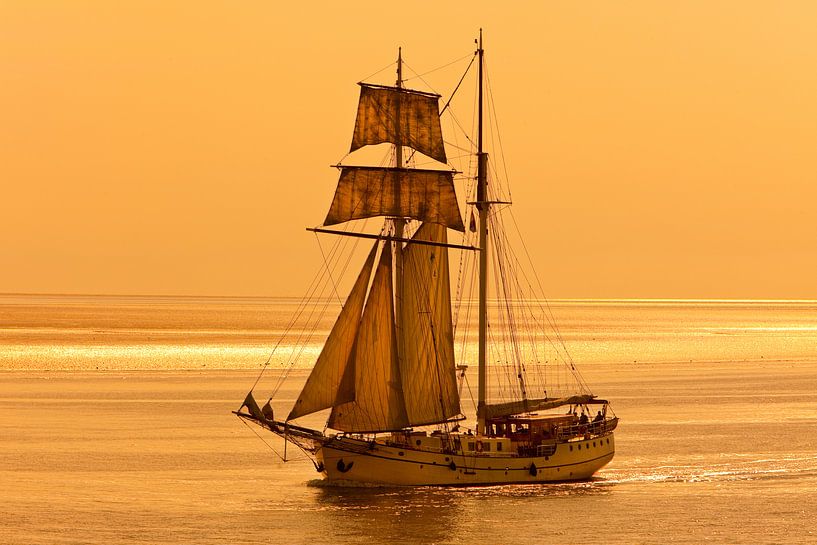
378	404
425	195
400	116
323	388
427	349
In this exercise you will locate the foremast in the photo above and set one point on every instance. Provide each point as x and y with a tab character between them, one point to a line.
388	362
398	222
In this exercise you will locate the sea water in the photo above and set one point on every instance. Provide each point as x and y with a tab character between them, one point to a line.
115	427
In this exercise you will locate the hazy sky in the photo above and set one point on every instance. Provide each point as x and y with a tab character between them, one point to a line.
654	149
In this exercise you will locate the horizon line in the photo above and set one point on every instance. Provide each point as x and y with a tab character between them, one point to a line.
555	299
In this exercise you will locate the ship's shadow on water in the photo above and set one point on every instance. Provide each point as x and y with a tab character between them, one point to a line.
350	492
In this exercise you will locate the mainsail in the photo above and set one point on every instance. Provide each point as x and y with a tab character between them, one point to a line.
427	348
400	116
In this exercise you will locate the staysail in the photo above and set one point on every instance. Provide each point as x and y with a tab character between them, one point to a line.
427	347
323	387
400	116
425	195
378	404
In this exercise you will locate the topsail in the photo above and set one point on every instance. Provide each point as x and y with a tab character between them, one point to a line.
425	195
400	116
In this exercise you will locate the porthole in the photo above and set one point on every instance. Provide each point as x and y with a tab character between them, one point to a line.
418	442
594	444
401	453
580	446
571	448
608	441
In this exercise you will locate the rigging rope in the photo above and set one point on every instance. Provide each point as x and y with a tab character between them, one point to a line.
420	76
381	70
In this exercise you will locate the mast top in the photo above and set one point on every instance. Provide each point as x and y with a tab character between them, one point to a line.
399	83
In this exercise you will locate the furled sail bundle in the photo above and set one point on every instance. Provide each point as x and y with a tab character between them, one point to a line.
531	405
425	195
400	116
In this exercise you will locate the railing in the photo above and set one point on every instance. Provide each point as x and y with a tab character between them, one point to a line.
563	433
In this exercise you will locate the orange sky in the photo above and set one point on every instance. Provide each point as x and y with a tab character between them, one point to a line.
654	149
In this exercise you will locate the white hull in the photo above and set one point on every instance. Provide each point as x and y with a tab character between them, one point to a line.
353	461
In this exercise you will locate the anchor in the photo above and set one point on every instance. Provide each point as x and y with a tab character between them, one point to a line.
343	468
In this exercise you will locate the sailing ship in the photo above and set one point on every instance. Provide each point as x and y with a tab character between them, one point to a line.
387	372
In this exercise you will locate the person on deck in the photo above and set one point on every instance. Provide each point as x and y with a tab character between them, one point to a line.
598	417
583	418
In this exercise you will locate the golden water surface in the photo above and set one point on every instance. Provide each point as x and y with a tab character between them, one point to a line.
116	428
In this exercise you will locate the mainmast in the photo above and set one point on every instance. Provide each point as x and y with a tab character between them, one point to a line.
483	206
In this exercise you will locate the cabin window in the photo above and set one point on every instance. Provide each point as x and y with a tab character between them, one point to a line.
470	445
499	447
486	446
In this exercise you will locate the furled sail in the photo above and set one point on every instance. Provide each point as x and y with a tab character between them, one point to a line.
426	195
427	364
400	116
530	405
323	387
378	403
